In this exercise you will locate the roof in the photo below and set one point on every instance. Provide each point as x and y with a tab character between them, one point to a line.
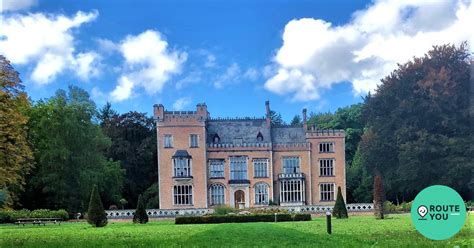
288	135
238	130
181	154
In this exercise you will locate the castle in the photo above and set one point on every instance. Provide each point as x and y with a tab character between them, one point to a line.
245	162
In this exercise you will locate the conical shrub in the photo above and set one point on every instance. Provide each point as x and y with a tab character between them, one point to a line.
340	210
95	214
140	215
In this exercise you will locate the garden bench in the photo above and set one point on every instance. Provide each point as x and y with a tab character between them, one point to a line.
38	221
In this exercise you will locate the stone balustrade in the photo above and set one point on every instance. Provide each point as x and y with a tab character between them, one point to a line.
241	145
171	213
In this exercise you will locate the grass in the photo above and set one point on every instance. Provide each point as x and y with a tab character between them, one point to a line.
357	231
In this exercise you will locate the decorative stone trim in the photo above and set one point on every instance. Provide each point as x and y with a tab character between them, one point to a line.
171	213
325	133
157	213
232	145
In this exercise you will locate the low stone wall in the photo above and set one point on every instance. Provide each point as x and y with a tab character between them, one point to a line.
171	213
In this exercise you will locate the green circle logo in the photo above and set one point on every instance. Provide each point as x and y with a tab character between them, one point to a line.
438	212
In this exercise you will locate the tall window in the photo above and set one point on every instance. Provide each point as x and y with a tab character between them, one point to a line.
193	140
217	194
325	147
238	168
183	195
260	167
291	165
327	191
292	190
168	141
261	193
182	167
216	168
326	167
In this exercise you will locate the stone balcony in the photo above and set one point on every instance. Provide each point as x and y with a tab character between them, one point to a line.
298	175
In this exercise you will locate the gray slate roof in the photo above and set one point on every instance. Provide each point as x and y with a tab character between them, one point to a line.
288	135
229	130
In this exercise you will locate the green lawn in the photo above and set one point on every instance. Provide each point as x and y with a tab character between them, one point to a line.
397	231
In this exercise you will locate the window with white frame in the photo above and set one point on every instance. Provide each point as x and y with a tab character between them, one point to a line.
182	167
325	147
217	194
261	193
216	168
326	167
183	195
292	190
193	140
260	167
168	141
291	165
326	191
238	168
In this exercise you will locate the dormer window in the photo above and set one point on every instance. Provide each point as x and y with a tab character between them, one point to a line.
216	138
259	137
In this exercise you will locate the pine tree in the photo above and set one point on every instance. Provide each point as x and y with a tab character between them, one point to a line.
378	197
140	215
96	215
340	210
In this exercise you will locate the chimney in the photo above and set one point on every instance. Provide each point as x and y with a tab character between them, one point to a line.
158	112
267	113
201	110
305	126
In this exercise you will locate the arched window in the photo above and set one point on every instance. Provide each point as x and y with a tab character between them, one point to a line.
261	193
259	137
217	194
216	138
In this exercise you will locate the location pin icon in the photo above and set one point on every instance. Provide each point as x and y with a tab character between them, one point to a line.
422	211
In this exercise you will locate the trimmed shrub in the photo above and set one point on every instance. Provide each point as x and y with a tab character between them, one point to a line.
140	215
340	210
96	215
223	210
241	218
10	216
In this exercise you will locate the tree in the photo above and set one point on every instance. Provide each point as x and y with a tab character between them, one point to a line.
419	129
16	159
140	215
296	121
96	215
151	197
340	211
69	154
276	119
133	137
379	197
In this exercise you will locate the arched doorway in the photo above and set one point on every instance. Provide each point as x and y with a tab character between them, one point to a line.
239	198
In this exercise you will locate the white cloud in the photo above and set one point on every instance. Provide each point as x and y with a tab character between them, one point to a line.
14	5
123	90
181	103
149	63
315	54
47	42
191	78
233	74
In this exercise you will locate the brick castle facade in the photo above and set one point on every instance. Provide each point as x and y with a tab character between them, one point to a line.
245	162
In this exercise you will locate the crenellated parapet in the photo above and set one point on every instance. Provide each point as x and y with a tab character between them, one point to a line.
297	146
235	118
314	133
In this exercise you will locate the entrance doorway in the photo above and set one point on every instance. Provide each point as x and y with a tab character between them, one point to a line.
239	198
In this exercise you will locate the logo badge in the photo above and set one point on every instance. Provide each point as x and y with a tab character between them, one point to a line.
438	212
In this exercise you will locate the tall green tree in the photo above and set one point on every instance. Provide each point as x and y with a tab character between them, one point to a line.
296	121
276	118
16	159
133	138
69	153
419	127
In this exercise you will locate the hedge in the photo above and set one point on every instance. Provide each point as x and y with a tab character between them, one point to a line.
10	216
241	218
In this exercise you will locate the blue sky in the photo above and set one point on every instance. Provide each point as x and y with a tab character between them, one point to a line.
319	55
